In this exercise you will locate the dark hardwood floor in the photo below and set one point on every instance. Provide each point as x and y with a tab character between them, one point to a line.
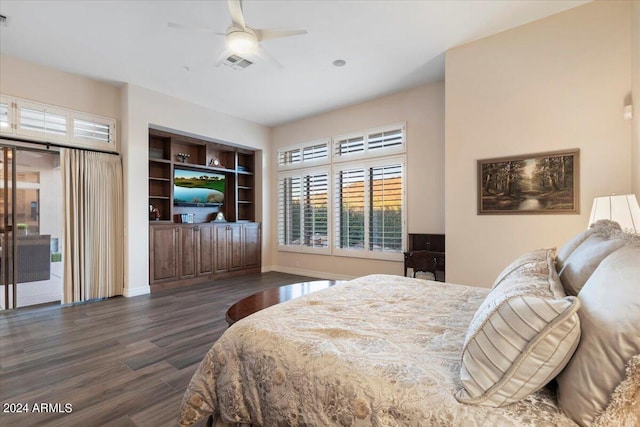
117	362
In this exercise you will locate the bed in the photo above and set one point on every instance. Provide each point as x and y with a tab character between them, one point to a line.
385	350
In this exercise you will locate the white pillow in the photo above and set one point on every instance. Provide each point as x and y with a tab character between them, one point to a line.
522	335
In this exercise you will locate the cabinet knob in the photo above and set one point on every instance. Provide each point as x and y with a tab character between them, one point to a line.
196	228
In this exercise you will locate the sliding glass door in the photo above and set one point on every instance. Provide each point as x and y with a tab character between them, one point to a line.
30	227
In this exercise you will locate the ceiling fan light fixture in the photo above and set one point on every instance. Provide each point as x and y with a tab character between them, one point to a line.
242	42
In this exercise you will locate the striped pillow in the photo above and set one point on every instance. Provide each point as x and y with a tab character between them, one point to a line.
520	338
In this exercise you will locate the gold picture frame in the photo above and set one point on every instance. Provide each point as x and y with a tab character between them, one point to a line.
541	183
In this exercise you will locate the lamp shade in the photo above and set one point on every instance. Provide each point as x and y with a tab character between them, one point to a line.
622	209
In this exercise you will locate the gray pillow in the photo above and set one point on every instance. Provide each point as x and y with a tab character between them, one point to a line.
522	335
610	319
586	258
567	249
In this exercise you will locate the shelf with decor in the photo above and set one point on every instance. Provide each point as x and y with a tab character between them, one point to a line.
218	178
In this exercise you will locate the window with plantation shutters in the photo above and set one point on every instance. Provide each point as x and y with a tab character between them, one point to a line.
303	219
369	208
94	130
355	205
315	152
39	120
369	143
385	139
311	153
350	145
36	121
289	157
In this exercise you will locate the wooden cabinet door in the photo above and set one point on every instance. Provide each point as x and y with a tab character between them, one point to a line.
205	250
234	237
220	253
163	259
252	245
187	255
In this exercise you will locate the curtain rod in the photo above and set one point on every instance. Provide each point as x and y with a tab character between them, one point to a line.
53	144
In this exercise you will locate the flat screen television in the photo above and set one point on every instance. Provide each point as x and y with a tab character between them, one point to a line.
197	188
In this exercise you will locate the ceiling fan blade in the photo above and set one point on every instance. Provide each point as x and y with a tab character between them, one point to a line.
268	34
224	55
192	28
263	54
235	9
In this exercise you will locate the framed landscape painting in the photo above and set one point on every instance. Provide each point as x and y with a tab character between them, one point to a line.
544	183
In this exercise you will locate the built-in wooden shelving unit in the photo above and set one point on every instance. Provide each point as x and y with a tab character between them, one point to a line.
237	165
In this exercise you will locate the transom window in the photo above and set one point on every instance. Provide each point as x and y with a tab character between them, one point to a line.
315	152
33	120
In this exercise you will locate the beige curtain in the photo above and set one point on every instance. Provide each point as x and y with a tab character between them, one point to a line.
93	225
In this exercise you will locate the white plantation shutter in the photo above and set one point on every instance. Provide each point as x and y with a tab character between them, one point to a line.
385	210
373	142
369	208
303	219
386	139
39	120
289	211
316	152
290	157
349	146
93	129
350	209
315	223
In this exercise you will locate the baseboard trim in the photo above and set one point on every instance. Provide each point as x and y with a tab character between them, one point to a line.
138	290
312	273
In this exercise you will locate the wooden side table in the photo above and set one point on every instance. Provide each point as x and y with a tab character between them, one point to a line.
273	296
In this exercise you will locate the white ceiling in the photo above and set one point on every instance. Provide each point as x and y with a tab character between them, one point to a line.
388	46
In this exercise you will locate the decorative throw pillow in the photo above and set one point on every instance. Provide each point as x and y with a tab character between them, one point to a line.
526	261
609	318
522	335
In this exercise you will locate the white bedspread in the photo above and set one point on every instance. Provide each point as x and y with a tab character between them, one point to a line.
375	351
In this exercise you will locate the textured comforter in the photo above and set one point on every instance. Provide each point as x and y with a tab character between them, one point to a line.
375	351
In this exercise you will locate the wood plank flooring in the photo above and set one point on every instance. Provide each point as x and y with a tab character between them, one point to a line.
117	362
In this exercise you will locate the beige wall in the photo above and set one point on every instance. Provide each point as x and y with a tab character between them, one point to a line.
142	108
51	86
422	108
557	83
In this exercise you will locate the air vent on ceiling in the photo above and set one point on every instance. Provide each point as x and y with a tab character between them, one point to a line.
236	62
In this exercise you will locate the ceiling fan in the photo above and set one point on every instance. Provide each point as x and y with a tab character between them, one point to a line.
241	39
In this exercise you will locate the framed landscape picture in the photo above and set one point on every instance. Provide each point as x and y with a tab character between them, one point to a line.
543	183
